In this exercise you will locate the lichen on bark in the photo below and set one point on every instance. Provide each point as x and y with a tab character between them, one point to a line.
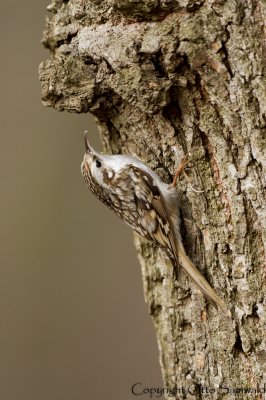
164	78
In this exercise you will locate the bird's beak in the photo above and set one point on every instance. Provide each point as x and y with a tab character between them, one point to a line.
87	144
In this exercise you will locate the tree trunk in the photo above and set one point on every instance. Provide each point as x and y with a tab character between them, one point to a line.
164	78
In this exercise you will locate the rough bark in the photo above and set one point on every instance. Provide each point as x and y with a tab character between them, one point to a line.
163	78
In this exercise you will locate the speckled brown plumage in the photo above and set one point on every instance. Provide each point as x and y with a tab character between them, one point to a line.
138	196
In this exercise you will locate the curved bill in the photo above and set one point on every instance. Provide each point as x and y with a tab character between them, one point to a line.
87	143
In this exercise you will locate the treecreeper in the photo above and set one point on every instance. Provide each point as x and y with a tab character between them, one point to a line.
143	201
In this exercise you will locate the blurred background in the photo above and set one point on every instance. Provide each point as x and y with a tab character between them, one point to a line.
73	321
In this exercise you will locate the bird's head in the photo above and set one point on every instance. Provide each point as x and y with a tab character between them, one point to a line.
96	168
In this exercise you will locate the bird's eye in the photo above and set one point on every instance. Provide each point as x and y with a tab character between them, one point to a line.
98	164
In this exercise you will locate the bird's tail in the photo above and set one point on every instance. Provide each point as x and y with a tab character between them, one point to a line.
200	281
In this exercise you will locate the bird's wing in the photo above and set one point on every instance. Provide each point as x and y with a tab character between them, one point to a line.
157	227
152	215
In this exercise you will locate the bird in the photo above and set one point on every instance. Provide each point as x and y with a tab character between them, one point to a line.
143	201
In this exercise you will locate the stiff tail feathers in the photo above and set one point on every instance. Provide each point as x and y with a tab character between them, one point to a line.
200	281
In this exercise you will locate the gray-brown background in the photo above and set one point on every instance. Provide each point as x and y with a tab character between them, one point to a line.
74	324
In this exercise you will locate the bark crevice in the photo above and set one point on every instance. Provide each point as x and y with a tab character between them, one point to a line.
164	78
